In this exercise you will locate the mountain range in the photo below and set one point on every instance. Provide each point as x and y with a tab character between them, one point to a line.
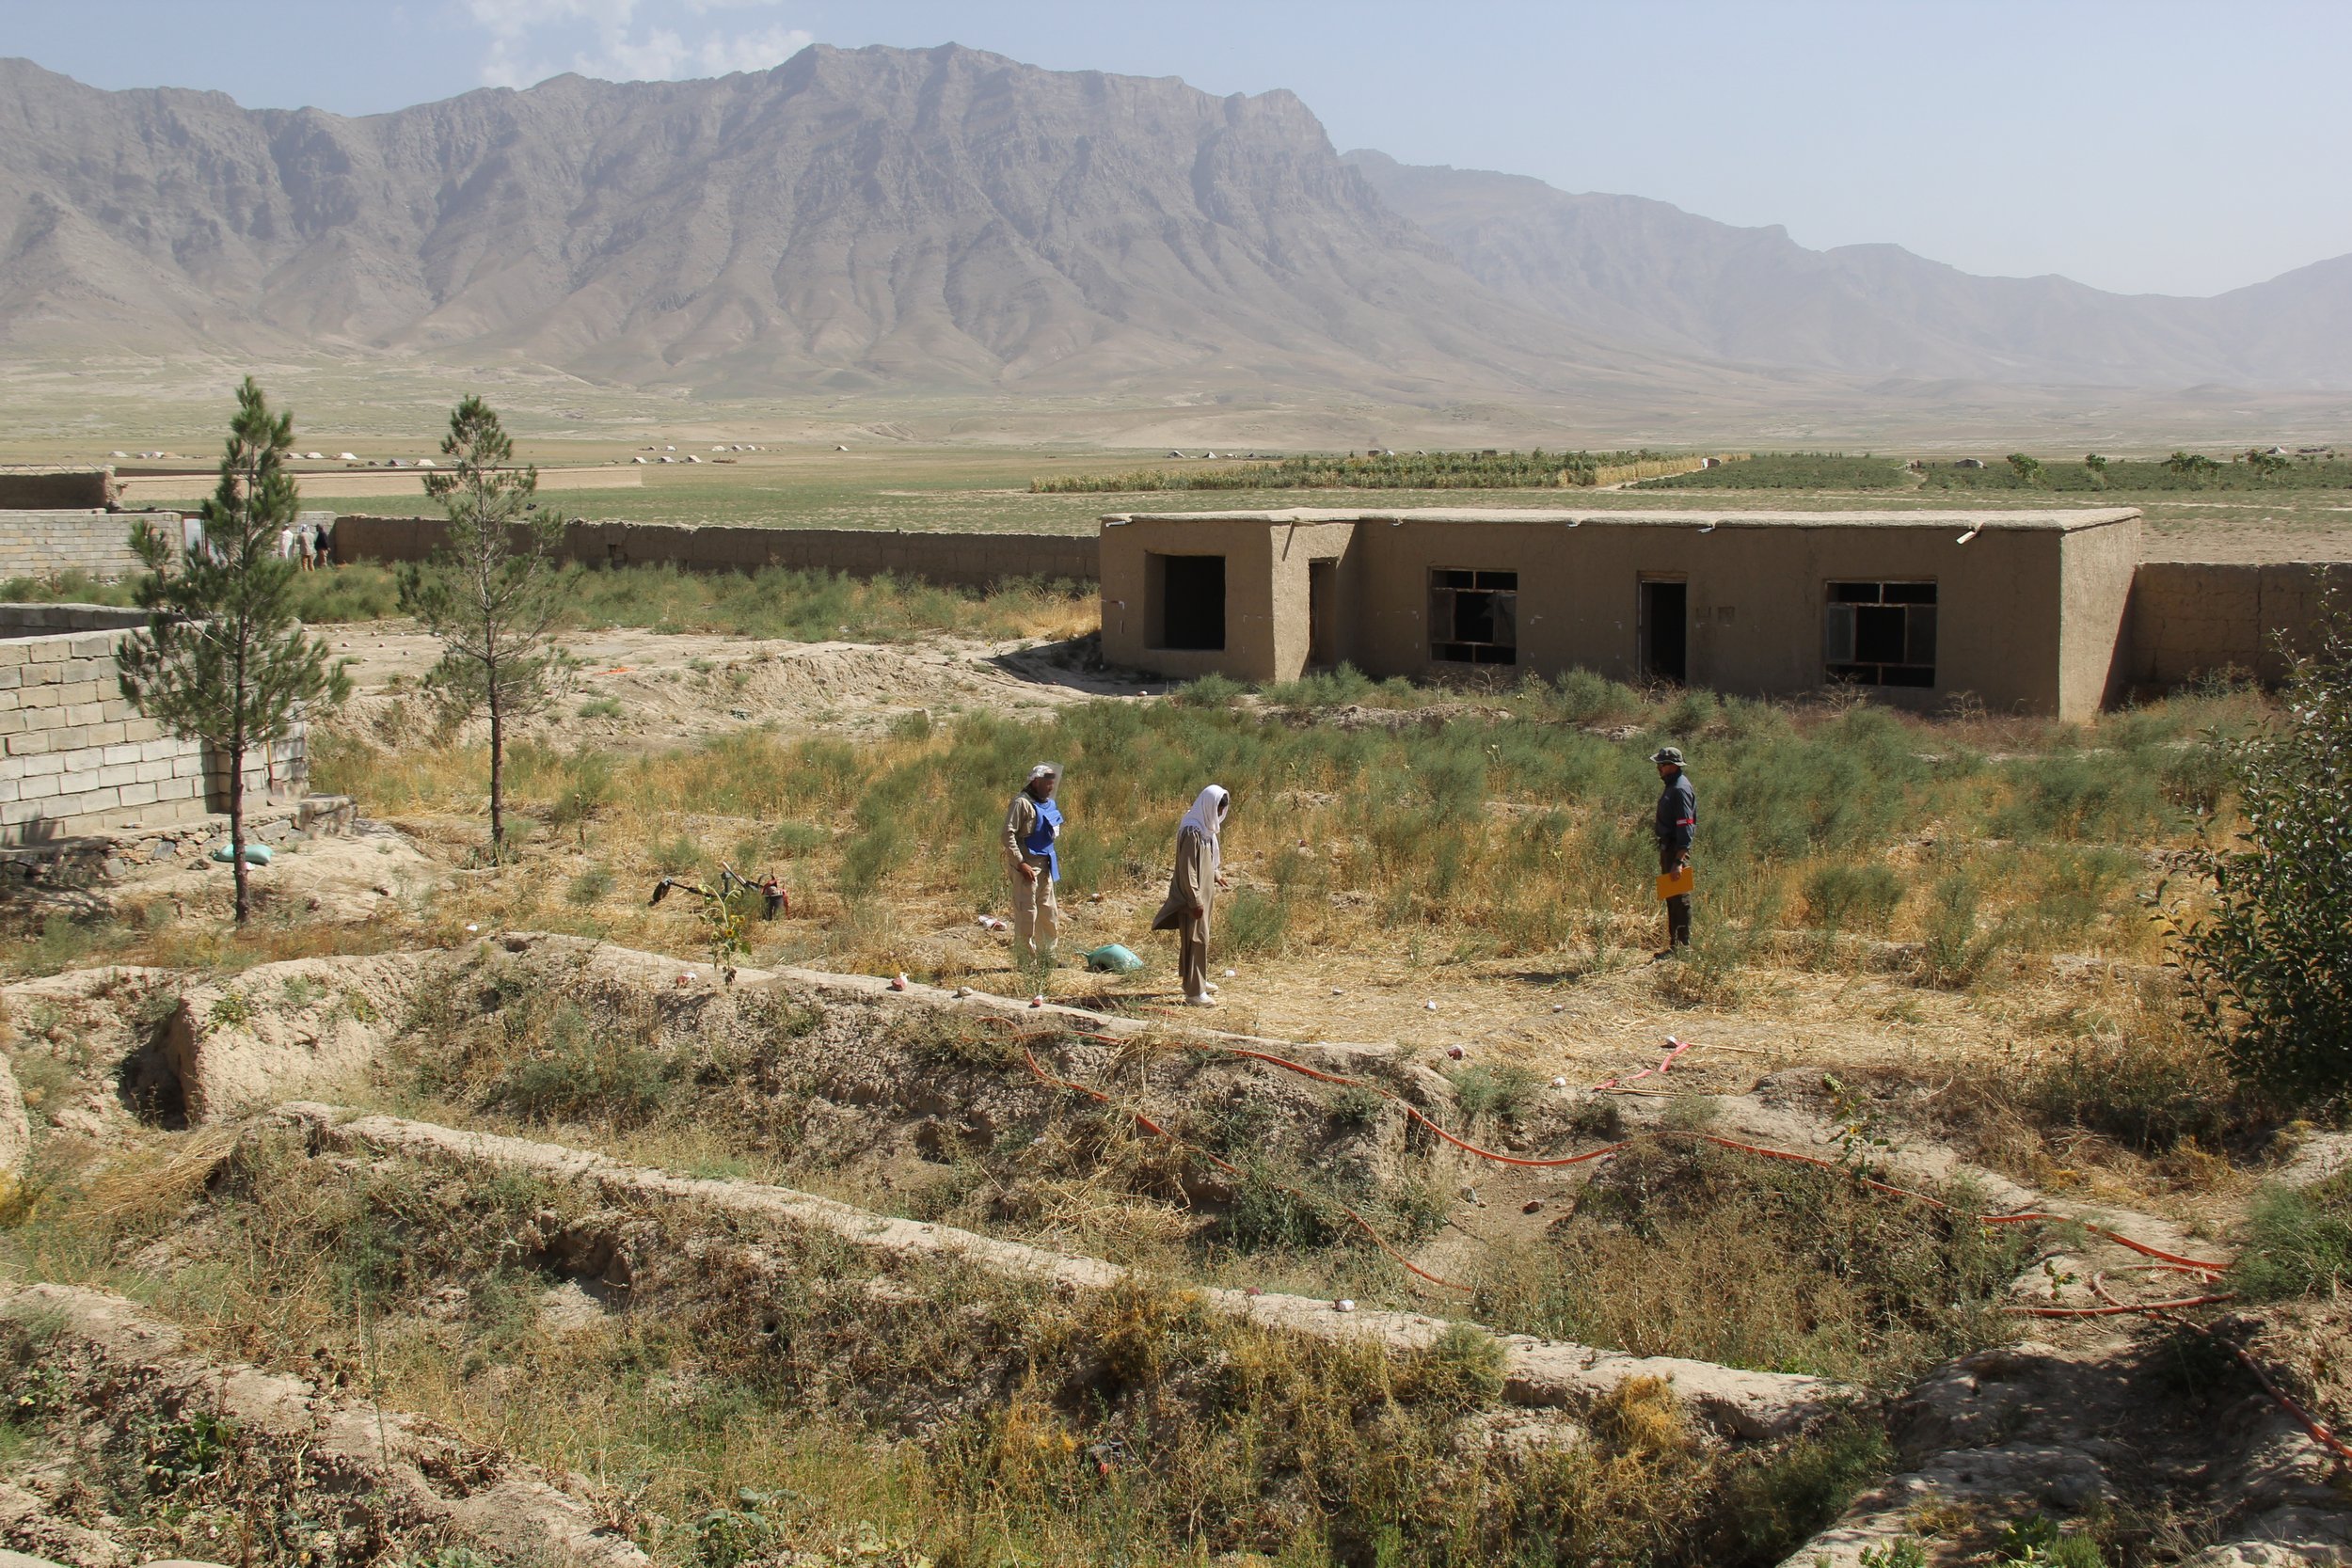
949	221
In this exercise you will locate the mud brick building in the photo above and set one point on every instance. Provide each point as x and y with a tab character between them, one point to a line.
2048	612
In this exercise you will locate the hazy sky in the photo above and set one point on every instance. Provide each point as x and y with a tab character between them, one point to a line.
2137	145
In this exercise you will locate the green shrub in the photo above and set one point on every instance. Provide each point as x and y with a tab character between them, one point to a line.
590	885
600	707
573	1068
1215	689
1501	1091
1852	898
1798	1489
2298	1241
2146	1090
1461	1370
2270	959
1955	947
1248	921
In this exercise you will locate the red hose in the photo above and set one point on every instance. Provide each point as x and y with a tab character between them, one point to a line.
1760	1151
2111	1307
2310	1423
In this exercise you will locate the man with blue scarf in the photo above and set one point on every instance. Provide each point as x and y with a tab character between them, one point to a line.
1032	825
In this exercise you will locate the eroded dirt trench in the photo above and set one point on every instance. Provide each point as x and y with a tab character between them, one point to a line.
513	1158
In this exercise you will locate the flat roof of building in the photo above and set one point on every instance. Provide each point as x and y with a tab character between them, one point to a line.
2064	521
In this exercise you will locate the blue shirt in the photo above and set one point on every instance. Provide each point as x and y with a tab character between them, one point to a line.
1041	837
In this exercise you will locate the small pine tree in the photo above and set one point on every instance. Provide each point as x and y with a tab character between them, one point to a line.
223	660
2270	959
489	593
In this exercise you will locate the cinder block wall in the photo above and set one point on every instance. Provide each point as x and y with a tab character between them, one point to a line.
953	560
50	544
76	759
2190	619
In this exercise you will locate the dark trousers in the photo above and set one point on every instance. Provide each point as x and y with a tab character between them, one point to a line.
1678	907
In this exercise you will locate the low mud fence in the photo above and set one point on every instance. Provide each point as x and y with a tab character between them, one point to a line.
2190	619
950	559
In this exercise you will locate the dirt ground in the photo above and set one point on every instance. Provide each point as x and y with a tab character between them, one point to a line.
646	688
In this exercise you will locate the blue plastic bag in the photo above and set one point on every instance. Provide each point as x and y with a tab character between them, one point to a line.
1114	960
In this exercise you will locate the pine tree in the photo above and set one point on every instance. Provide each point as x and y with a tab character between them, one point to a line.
223	660
489	593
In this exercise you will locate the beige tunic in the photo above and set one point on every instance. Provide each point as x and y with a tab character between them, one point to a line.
1192	888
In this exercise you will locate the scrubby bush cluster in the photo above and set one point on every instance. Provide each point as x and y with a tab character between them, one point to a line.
2270	956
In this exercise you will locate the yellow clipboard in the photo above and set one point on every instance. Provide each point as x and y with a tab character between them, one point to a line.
1675	883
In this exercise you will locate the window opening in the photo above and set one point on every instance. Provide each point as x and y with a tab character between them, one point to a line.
1473	616
1880	633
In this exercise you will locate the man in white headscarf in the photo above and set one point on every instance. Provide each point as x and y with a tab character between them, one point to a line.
1192	891
1032	828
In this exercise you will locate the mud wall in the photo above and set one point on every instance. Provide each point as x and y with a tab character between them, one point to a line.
2190	619
953	560
46	488
49	543
76	759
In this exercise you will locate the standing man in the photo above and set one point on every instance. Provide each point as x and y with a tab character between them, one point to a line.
1032	826
1677	824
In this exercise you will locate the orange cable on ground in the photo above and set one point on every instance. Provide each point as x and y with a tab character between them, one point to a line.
2310	1423
1760	1150
2312	1426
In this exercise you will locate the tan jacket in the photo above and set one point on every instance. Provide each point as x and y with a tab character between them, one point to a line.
1019	822
1192	888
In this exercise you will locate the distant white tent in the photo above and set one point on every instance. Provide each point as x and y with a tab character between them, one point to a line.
117	454
637	460
346	457
841	449
424	462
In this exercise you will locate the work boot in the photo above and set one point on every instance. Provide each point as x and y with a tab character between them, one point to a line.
1200	1001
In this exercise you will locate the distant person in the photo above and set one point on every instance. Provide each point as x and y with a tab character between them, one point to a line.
1677	824
286	544
325	530
1033	826
1192	891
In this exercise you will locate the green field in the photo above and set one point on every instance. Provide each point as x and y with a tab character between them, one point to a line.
2302	513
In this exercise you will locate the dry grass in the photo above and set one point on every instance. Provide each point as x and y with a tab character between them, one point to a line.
763	1383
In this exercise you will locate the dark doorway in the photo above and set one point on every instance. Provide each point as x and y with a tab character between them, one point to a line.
1323	609
1185	607
1665	630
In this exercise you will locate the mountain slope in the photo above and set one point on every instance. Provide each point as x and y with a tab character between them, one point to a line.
918	219
1643	271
